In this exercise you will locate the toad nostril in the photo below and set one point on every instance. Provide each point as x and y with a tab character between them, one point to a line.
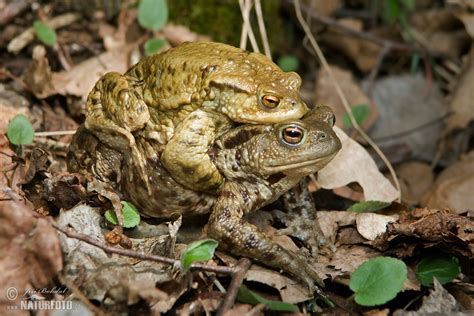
293	103
322	135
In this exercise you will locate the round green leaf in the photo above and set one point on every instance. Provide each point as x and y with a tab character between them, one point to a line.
201	250
443	268
131	217
378	280
288	63
46	34
152	14
360	113
368	206
20	131
153	45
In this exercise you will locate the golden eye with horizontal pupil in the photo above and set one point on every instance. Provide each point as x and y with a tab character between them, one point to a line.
270	101
292	135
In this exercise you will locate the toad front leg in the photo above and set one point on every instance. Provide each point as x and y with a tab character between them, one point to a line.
115	109
186	156
242	238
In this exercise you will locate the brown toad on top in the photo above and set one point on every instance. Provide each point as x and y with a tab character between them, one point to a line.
184	98
258	162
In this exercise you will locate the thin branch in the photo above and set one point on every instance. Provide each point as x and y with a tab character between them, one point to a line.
263	31
245	7
341	95
139	255
55	133
240	270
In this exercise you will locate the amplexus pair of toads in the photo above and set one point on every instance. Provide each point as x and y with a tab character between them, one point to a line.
166	135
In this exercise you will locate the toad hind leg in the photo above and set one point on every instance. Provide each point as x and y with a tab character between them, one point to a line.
186	156
242	238
114	110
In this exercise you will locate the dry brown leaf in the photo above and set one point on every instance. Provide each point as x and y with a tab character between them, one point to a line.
11	104
326	8
362	52
31	252
439	302
177	34
436	30
430	227
325	93
371	225
330	222
462	98
453	187
38	75
416	178
291	291
354	164
468	20
411	109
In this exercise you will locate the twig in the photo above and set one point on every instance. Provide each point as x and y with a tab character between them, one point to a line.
51	143
139	255
81	297
375	71
245	7
341	95
263	31
19	42
12	9
55	133
240	270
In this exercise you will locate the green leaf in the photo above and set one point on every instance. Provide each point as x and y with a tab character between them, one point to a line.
131	217
360	113
368	206
378	280
444	268
152	14
409	5
249	297
20	131
288	63
391	11
46	34
201	250
153	45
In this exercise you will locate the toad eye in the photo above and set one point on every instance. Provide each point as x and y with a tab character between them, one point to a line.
270	101
292	135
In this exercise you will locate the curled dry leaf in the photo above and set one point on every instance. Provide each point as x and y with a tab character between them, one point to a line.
416	178
326	94
447	230
462	98
371	225
354	164
30	248
362	52
453	187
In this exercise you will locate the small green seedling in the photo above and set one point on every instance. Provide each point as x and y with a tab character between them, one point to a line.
368	206
201	250
360	113
153	45
288	63
152	14
45	33
20	131
131	217
249	297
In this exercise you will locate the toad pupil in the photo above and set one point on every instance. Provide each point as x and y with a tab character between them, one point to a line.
292	135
